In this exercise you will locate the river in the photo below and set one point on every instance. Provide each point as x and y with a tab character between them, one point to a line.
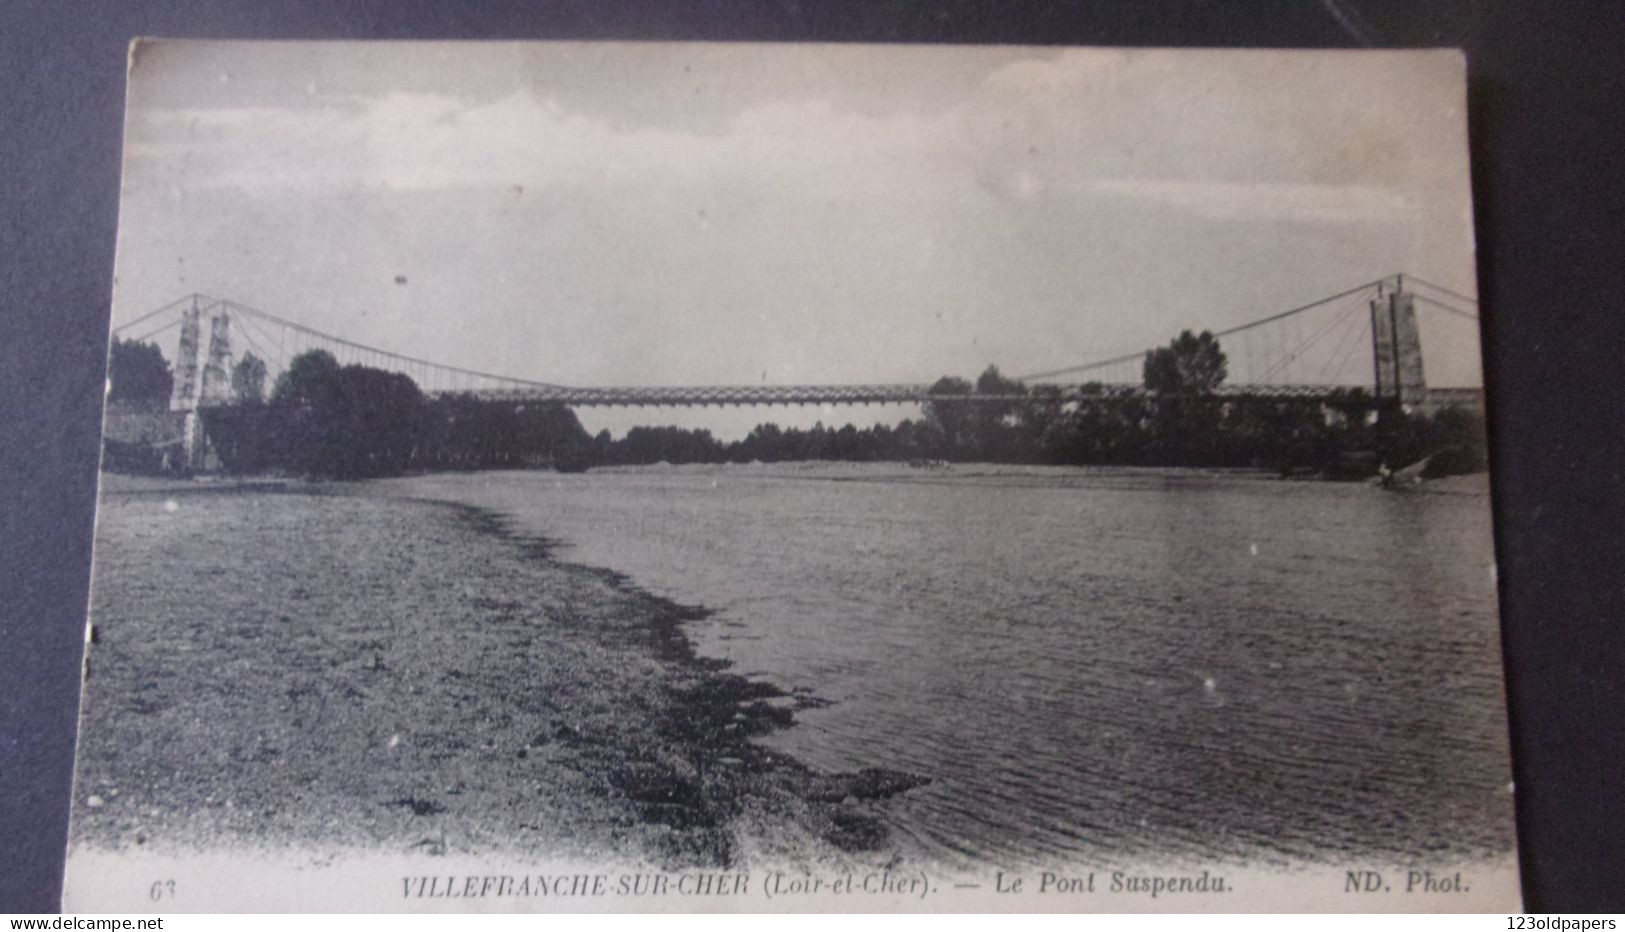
1089	665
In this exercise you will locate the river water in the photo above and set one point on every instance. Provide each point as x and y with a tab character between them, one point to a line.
1091	666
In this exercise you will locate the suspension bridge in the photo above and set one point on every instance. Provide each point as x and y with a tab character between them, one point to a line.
1367	337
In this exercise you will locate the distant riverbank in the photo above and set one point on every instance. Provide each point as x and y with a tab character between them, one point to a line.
319	667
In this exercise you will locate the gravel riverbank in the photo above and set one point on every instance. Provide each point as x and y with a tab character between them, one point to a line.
329	668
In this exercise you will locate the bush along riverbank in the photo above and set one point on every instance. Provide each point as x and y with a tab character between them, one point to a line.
345	670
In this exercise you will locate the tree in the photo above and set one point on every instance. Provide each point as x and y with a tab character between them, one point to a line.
948	419
465	432
373	428
1188	365
998	429
349	422
311	378
1041	415
356	423
138	372
248	379
992	382
669	445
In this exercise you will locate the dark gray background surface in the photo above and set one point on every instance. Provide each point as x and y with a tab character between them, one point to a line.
1547	97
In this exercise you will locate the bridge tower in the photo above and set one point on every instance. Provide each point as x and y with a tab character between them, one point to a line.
200	378
185	394
1396	345
216	386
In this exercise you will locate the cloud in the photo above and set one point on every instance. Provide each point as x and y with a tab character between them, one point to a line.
1227	200
415	143
1014	146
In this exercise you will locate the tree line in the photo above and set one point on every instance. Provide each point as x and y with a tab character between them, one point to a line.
356	422
1178	419
1346	436
351	422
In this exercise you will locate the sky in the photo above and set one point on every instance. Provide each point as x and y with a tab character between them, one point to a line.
689	214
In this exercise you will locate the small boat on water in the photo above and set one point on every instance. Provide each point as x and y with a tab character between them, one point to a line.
1408	477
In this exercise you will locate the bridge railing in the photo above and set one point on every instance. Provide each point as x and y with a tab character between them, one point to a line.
722	395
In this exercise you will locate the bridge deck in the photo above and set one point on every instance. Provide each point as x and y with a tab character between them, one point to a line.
654	396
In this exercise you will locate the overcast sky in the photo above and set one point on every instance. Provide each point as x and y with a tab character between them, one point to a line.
605	214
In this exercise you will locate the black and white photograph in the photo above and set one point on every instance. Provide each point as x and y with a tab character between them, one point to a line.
691	476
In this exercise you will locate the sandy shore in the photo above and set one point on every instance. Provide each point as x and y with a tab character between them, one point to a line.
289	666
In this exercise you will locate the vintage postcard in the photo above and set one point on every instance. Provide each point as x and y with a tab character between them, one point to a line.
579	476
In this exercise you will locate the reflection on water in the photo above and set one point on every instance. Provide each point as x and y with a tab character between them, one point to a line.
1090	665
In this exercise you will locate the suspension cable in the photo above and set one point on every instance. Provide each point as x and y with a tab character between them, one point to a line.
1445	307
1222	333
